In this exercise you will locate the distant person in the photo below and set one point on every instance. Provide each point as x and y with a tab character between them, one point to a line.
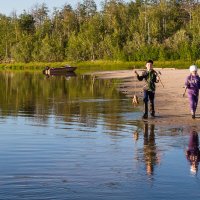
192	83
150	77
193	153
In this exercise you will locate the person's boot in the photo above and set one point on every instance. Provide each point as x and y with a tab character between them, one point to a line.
193	114
152	110
145	116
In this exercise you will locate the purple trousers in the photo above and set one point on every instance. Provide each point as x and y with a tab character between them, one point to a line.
193	99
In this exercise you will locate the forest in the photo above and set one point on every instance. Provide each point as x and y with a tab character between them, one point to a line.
163	30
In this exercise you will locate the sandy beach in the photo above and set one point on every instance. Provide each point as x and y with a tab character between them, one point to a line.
172	109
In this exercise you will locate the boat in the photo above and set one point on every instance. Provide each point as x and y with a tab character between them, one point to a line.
58	70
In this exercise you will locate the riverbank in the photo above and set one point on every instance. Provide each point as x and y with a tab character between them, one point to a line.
97	65
172	109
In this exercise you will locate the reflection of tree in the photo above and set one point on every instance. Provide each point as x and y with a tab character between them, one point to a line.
80	97
150	153
193	153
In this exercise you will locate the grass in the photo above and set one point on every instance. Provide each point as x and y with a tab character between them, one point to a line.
100	65
32	65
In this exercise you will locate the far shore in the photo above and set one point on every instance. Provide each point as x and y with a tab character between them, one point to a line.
96	65
172	109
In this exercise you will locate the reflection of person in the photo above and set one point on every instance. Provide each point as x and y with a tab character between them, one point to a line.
193	153
150	76
150	152
192	83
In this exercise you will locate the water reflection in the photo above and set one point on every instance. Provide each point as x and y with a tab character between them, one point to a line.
136	135
72	140
66	75
193	152
151	157
82	99
149	154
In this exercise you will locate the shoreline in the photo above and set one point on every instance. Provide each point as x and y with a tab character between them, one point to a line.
95	65
172	109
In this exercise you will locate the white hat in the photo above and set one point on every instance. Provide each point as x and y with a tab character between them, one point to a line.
193	68
193	170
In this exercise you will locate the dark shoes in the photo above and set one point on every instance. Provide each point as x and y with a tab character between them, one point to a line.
145	116
193	116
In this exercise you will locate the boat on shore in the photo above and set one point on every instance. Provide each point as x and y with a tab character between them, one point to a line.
58	70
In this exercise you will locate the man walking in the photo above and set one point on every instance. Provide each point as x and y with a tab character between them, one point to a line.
150	76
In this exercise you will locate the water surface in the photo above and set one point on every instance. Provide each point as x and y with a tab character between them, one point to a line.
79	138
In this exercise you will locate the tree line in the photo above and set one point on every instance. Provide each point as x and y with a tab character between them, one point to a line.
133	31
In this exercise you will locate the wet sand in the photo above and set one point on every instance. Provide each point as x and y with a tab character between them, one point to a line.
172	109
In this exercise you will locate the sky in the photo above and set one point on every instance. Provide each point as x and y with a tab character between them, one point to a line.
8	6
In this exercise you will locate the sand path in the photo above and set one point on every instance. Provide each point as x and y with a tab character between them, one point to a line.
172	109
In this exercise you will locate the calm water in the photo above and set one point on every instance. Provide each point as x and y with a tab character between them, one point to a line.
79	138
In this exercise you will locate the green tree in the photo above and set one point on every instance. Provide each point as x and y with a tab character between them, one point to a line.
26	23
21	51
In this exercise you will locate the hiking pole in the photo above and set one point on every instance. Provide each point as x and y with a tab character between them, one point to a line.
184	91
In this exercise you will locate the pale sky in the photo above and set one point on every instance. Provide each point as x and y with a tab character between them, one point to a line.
8	6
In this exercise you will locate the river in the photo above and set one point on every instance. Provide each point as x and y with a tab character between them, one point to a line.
80	138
